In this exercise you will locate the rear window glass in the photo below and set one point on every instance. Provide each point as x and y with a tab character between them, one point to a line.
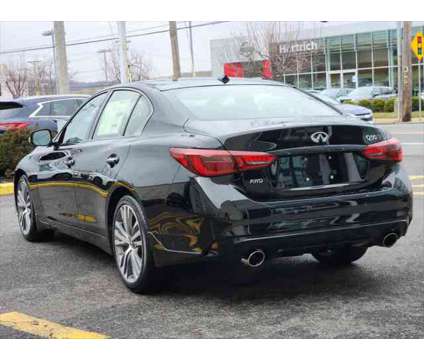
10	110
249	102
64	107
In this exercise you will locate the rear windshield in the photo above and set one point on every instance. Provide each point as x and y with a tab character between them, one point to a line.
10	110
249	102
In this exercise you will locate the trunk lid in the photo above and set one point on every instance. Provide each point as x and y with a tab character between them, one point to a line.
315	155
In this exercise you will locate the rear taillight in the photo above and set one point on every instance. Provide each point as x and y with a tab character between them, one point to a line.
386	150
14	125
205	162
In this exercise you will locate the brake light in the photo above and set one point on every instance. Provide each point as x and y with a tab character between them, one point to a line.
205	162
14	125
385	150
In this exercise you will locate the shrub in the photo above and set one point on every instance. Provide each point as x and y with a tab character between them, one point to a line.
389	105
14	146
377	105
415	103
365	103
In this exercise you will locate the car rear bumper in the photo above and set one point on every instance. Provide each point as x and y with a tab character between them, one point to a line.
309	241
222	222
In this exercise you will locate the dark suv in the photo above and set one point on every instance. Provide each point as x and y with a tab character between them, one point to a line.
41	112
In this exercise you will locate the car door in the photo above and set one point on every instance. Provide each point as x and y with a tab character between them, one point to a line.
56	178
97	162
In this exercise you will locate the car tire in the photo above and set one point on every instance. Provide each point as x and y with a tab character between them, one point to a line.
340	257
131	248
27	218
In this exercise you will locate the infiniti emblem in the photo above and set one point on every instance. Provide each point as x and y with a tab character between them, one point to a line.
320	137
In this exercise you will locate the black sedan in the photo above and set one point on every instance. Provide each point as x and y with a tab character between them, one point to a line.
41	112
168	172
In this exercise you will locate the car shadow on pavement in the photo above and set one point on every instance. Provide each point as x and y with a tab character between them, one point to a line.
283	277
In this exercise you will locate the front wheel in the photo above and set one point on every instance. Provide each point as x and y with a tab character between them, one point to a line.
131	250
26	213
340	257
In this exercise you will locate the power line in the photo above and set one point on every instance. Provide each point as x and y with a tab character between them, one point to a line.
111	38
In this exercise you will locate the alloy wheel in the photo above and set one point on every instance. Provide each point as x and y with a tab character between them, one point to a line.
128	240
23	202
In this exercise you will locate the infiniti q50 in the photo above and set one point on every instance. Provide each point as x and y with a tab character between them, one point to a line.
169	172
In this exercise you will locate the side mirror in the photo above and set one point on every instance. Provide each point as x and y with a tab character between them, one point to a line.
41	137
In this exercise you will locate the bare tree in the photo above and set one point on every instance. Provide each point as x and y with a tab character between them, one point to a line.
277	42
138	66
41	80
16	79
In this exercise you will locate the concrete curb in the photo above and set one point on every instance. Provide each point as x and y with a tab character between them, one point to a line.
6	189
391	121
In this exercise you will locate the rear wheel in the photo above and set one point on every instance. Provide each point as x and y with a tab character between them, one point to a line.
132	252
340	257
26	213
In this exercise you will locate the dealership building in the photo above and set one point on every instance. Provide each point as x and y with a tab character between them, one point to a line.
348	55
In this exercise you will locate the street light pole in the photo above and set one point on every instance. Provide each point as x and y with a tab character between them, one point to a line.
51	34
104	52
34	63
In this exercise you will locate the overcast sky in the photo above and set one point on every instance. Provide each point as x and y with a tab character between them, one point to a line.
86	63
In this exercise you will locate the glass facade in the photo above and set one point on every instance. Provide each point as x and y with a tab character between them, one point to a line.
351	61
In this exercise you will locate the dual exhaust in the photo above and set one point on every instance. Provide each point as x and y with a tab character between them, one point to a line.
257	257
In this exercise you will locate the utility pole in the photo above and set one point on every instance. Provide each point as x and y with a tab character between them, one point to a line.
176	71
406	73
399	71
61	59
104	52
123	52
190	33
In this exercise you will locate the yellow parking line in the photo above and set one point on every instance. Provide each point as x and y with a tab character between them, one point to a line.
416	177
6	189
418	193
418	186
44	328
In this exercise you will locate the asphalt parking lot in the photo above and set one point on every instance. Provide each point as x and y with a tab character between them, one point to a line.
76	285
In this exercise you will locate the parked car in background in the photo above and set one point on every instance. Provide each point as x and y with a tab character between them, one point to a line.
336	93
41	112
357	111
313	91
369	93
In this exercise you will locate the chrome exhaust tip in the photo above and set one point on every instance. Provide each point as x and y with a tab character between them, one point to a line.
255	259
390	239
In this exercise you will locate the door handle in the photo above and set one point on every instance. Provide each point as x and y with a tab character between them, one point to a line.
112	160
69	162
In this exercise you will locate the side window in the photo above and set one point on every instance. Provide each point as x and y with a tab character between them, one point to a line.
116	113
45	110
79	127
139	117
80	101
63	107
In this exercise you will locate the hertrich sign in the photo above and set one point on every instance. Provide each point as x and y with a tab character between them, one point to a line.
310	45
